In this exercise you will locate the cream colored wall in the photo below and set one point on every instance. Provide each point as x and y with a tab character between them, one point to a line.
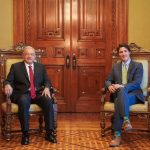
138	27
139	23
6	23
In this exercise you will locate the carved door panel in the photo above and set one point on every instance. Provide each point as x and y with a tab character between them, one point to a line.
77	37
48	28
91	41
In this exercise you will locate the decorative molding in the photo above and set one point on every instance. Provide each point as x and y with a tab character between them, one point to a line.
86	33
59	52
47	29
27	22
90	33
50	34
18	49
82	52
134	48
113	35
100	53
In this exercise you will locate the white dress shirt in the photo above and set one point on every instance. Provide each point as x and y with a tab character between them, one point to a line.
27	68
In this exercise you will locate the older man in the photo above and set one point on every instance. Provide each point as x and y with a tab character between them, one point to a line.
26	83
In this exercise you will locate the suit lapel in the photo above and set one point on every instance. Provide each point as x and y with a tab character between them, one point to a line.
120	72
131	65
35	72
25	71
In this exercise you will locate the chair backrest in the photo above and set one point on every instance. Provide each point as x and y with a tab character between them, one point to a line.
144	84
11	61
7	58
8	64
140	55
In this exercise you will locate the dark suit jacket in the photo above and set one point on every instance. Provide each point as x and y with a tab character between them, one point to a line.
134	78
19	80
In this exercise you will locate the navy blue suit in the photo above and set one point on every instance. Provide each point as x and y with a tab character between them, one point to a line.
19	80
128	95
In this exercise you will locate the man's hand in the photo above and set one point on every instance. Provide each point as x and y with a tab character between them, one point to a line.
8	89
112	88
46	92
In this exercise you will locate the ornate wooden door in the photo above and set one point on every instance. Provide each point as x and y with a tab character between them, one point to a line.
77	37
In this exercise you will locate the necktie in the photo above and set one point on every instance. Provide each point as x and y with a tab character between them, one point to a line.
32	88
124	74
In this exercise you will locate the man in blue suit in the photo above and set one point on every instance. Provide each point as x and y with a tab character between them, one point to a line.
26	86
124	85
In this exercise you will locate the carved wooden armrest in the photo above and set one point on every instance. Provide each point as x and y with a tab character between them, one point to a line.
148	98
8	104
148	90
103	92
53	92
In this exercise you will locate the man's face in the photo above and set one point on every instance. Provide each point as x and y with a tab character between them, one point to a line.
29	55
124	54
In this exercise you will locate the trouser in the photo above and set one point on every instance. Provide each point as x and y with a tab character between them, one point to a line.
122	103
45	103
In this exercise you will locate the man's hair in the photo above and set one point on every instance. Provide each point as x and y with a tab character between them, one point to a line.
123	45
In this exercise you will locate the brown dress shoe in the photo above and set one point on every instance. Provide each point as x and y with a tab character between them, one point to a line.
115	142
127	126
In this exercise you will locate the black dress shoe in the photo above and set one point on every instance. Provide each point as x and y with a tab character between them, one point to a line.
51	138
25	140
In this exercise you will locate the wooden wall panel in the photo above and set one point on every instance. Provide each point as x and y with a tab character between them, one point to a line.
91	19
50	22
90	81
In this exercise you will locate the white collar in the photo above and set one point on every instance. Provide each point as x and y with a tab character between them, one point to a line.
127	63
32	65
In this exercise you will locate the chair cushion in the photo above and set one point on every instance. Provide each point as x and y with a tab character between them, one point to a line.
14	108
109	106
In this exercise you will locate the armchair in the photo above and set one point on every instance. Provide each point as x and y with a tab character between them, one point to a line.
8	109
138	110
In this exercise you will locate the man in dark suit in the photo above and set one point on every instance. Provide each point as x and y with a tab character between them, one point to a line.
124	85
26	83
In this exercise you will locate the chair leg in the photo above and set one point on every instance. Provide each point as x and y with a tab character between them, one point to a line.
3	125
7	128
55	127
102	124
55	118
41	123
148	117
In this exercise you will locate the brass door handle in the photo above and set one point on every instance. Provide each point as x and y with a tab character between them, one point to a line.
74	61
67	61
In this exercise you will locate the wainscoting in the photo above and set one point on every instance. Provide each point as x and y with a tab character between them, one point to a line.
77	131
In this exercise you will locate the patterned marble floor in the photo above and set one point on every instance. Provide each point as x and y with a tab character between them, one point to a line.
77	132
